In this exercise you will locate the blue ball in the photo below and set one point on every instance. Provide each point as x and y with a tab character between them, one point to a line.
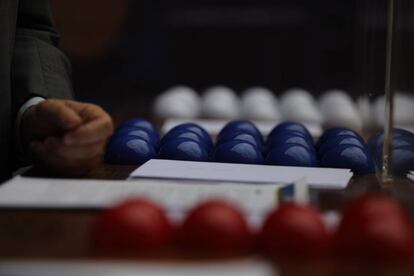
287	138
289	127
292	155
403	132
240	136
240	126
276	135
183	149
397	142
192	127
336	132
402	160
402	141
335	141
349	157
400	137
129	150
137	132
143	124
184	134
237	152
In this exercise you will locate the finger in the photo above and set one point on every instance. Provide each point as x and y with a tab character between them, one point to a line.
71	167
59	114
41	153
81	152
94	131
86	111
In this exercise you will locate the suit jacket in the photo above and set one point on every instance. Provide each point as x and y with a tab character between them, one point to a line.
30	65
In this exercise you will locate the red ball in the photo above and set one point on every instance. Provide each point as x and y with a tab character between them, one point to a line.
294	231
136	226
374	227
215	227
372	206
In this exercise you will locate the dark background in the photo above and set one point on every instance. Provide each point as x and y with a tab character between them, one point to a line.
125	52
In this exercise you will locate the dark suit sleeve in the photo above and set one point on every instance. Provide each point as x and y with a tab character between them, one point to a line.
38	67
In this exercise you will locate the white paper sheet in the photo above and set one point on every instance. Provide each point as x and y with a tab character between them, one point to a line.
214	126
176	196
243	267
225	172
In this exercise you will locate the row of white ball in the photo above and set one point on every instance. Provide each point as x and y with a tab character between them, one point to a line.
333	108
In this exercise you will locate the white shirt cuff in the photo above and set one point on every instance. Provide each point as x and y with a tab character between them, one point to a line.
31	102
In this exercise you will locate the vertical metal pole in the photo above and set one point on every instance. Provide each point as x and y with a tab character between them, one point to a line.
389	99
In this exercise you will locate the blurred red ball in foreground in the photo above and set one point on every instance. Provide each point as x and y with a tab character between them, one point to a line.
373	206
374	227
215	227
294	231
135	226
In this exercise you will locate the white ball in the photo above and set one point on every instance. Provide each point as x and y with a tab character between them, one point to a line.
299	105
296	94
403	110
379	111
178	102
339	110
334	97
258	93
220	102
259	103
365	109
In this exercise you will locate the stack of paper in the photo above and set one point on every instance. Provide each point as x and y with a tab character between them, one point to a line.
177	186
242	267
176	196
211	172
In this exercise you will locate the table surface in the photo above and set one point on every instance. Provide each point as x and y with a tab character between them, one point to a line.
45	233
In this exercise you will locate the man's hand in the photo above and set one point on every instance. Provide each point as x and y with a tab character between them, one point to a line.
66	136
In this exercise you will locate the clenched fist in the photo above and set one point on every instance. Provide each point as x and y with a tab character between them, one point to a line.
66	136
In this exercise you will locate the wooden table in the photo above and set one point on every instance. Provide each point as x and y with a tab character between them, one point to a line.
40	233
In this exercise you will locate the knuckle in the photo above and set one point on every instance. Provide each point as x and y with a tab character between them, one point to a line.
48	102
97	108
98	111
108	125
93	108
51	103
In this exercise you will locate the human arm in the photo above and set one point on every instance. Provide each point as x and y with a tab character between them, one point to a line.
63	135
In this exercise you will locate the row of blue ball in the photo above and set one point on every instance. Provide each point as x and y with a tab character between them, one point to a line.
137	141
288	144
